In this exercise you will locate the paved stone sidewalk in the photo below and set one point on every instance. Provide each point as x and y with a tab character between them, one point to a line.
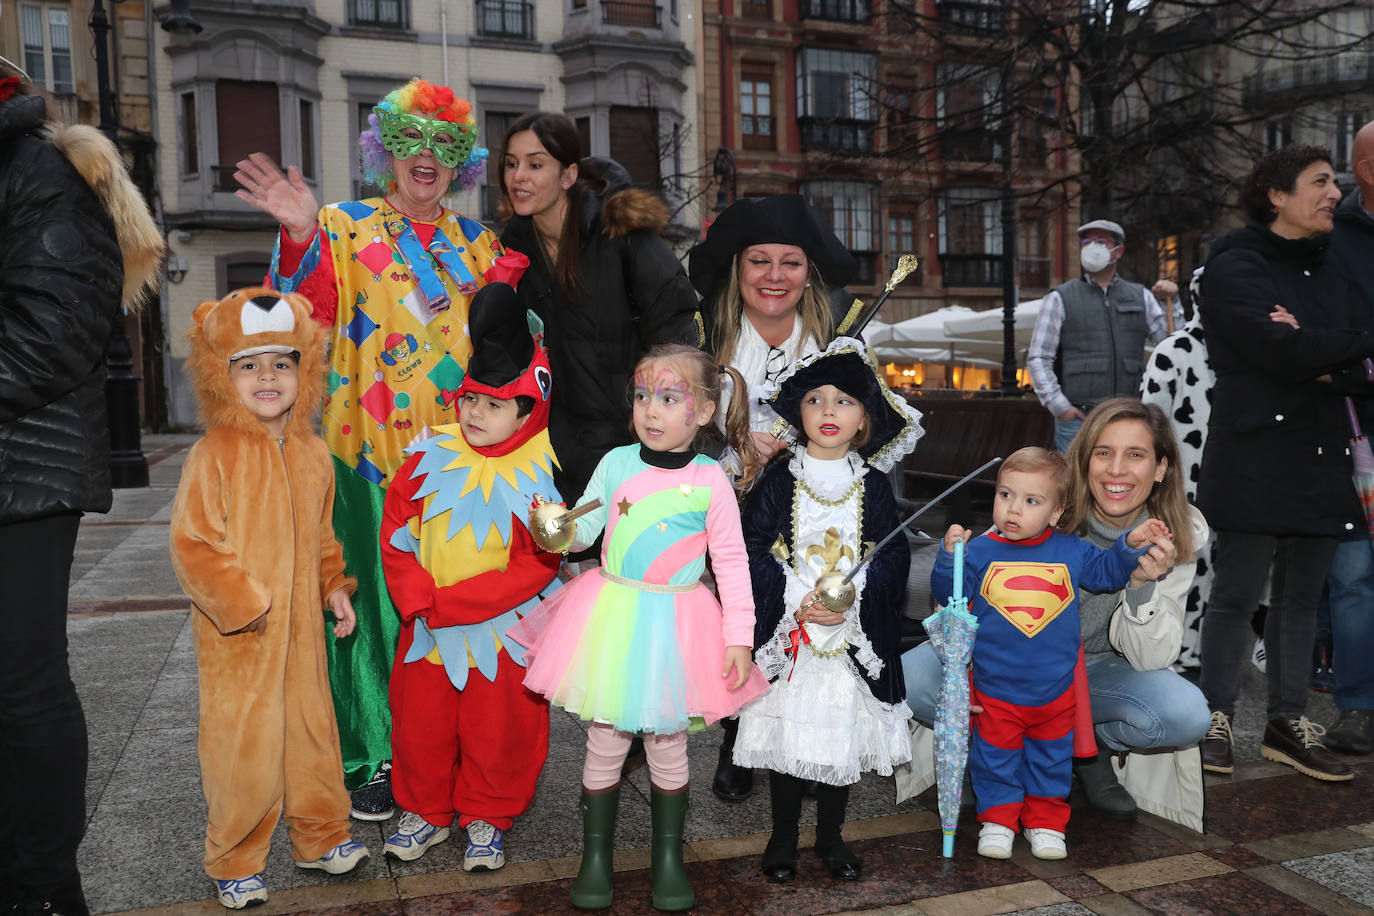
1279	842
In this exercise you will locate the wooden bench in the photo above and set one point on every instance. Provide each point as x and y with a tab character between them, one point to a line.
962	432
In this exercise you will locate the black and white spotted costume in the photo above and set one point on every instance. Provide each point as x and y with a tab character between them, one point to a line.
1179	381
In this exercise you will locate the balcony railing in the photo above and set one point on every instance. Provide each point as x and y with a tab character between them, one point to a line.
1313	76
856	11
759	132
987	17
971	269
632	15
505	19
756	9
836	135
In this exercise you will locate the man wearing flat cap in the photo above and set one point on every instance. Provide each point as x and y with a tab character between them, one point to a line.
1089	339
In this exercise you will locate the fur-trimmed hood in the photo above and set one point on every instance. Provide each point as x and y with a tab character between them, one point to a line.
140	241
250	318
621	207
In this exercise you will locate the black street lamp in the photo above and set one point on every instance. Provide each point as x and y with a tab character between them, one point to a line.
128	466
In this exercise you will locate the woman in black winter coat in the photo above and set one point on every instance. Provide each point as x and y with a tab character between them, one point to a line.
78	238
1286	336
601	278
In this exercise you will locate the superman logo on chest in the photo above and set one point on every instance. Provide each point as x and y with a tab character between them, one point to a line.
1028	595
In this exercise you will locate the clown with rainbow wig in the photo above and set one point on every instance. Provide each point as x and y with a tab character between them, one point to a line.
392	277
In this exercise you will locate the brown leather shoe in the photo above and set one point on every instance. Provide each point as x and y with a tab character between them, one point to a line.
1298	743
1216	746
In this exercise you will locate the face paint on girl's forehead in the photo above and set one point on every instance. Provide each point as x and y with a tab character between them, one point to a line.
664	381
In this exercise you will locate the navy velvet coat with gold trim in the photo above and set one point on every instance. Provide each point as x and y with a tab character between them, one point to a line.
767	514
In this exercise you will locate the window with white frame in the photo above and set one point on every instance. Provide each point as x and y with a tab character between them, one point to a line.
756	109
970	237
970	221
850	208
836	84
47	36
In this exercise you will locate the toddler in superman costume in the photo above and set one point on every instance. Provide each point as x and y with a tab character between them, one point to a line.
1028	670
462	568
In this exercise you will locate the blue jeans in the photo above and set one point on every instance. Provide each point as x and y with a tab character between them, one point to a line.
1064	431
1351	581
1132	710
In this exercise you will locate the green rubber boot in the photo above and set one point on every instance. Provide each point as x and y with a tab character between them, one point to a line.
591	889
672	891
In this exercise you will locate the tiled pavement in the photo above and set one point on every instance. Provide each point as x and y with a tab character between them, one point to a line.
1277	842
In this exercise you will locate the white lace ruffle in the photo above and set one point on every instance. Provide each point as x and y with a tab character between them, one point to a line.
823	724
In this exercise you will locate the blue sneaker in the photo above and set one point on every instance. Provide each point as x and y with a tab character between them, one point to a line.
340	860
237	893
413	836
486	851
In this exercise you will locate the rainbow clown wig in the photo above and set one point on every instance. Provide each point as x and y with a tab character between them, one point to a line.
438	103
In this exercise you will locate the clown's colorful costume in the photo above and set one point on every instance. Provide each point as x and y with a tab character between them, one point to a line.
638	643
462	568
1028	673
400	348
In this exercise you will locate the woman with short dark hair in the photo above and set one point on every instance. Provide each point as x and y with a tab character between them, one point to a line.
1285	335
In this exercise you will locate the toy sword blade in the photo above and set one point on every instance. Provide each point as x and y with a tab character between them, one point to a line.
854	570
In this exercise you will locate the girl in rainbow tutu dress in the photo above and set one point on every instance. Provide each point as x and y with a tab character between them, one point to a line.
640	644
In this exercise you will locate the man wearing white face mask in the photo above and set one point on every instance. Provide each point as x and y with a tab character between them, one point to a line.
1089	339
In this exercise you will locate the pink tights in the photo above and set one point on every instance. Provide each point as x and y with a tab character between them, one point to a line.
606	750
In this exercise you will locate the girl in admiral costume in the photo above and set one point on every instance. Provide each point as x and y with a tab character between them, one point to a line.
836	709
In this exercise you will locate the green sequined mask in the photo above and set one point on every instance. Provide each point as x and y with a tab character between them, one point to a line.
450	142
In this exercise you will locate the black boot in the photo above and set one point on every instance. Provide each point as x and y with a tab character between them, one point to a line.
780	856
1103	792
831	802
732	783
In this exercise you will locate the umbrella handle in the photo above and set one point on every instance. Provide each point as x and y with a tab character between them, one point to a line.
949	844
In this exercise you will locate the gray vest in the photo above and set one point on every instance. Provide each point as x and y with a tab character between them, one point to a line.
1102	342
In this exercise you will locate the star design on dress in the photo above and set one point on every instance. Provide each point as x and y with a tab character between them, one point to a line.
662	526
686	489
624	506
428	346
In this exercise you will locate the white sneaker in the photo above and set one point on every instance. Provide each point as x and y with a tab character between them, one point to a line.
486	848
994	841
1257	657
413	836
238	893
1046	843
340	860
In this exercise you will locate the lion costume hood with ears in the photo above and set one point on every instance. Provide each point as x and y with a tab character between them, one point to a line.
255	320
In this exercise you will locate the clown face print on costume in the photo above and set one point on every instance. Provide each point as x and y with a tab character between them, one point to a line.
487	420
831	419
422	179
1123	470
1025	504
667	414
267	383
